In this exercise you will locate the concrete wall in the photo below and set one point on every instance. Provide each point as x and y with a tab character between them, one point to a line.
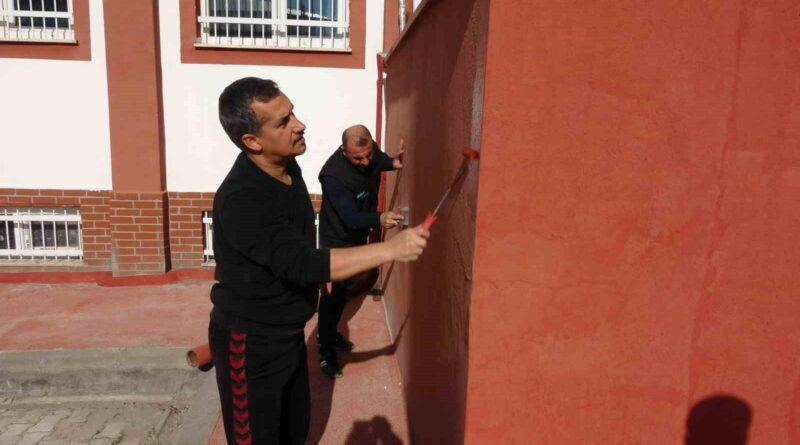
54	116
433	99
327	100
638	224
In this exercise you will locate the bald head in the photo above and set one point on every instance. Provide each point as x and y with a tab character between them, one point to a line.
356	137
357	146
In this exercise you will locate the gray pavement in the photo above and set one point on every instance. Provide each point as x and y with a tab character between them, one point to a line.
106	396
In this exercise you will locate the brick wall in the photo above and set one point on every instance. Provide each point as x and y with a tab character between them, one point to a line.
131	233
94	208
139	241
186	227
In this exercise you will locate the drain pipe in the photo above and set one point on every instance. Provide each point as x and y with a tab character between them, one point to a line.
379	101
401	14
379	132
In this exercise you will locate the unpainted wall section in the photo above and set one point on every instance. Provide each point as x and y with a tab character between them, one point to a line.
198	152
54	113
434	103
638	225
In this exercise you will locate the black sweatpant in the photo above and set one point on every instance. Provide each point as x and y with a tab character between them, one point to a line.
330	313
263	386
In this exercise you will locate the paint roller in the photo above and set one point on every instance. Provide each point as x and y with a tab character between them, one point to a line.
469	156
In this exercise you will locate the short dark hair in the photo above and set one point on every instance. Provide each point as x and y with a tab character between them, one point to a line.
235	113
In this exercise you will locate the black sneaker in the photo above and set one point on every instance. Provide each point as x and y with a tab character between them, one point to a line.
330	366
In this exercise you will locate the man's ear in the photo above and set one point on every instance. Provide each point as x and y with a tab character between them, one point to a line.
375	146
251	142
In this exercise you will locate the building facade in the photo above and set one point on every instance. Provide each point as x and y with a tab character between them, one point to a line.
112	149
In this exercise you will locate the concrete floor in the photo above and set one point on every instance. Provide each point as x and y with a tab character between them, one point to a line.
365	406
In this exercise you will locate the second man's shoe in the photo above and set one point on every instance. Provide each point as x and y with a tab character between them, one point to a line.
330	366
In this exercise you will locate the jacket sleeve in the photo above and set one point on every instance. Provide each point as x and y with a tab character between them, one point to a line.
385	162
344	204
261	232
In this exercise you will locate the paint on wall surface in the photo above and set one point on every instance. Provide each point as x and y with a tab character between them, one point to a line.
636	245
434	79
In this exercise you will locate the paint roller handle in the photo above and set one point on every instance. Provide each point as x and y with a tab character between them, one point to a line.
430	218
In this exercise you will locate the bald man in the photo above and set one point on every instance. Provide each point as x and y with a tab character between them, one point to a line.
350	180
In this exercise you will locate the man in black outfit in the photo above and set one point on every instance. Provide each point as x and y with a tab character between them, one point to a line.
269	269
350	179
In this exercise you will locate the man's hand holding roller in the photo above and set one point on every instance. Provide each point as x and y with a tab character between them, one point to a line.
407	245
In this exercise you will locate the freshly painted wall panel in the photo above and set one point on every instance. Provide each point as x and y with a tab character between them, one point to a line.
638	225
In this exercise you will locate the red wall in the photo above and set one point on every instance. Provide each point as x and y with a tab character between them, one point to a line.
432	78
638	222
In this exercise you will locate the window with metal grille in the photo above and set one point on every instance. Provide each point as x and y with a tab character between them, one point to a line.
40	233
275	24
37	21
208	238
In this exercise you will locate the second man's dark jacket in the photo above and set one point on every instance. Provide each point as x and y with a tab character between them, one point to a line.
350	199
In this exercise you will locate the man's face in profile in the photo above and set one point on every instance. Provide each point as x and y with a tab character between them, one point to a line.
281	133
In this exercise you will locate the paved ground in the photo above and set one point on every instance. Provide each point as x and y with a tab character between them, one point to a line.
363	407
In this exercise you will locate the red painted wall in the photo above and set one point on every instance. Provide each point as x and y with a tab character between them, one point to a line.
638	223
432	78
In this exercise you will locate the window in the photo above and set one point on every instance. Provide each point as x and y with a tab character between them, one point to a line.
208	238
40	233
37	21
275	24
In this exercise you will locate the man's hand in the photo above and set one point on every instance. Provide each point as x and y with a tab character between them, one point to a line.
397	163
390	219
408	244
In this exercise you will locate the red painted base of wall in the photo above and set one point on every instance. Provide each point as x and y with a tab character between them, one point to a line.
106	279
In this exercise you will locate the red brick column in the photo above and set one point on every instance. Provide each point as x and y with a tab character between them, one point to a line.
186	227
138	233
139	222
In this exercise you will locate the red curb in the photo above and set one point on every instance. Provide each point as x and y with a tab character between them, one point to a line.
106	279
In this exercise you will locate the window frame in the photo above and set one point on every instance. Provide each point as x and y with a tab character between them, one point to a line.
79	49
285	32
311	57
32	15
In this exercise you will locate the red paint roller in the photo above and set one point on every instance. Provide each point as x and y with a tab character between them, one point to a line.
469	155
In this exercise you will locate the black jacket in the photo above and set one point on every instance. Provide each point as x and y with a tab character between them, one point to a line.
268	267
350	199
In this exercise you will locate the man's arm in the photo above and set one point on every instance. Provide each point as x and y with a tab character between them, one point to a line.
407	245
385	162
263	235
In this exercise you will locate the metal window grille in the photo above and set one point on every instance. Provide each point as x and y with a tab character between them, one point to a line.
208	238
42	233
275	24
37	21
208	235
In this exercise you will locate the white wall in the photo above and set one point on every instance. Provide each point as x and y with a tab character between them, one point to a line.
327	100
54	130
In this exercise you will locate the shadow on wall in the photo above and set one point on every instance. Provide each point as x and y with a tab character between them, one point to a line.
377	431
720	420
